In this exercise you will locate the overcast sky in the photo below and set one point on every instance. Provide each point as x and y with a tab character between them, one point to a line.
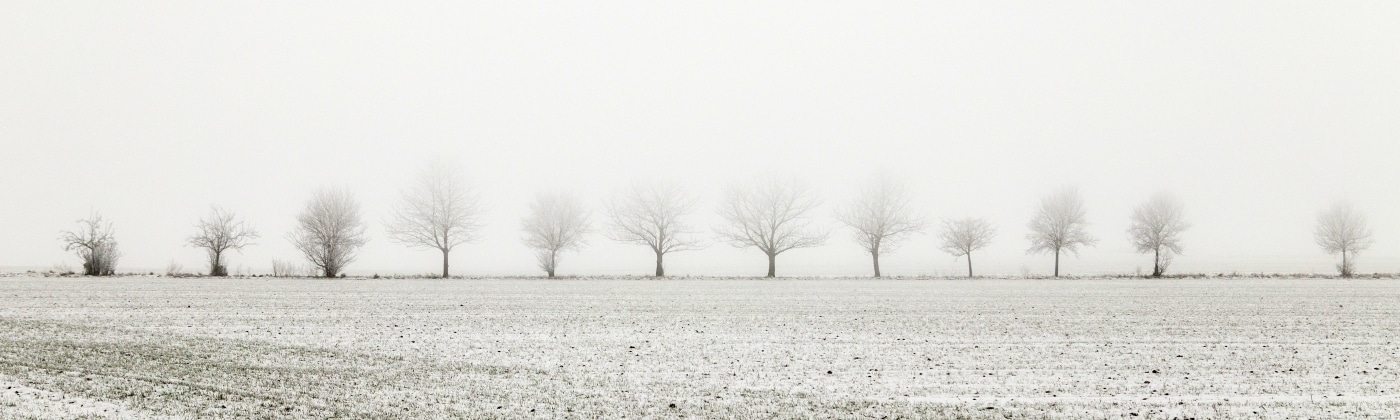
1258	115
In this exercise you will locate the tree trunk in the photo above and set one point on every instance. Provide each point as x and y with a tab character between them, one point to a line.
772	265
444	263
660	271
1057	262
875	257
553	261
218	269
1346	270
969	265
1157	263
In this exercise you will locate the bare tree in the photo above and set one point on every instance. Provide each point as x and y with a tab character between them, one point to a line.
880	217
651	214
1156	227
770	214
962	237
329	230
1058	225
218	232
1343	229
557	223
95	242
438	211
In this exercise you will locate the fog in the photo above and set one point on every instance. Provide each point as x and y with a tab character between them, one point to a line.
1257	115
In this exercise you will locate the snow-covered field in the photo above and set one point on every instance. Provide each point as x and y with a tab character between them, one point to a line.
263	348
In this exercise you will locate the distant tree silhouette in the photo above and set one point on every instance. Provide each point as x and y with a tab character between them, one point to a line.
1343	229
771	214
880	217
282	268
652	214
219	232
1058	225
962	237
329	230
95	242
1156	228
557	223
439	211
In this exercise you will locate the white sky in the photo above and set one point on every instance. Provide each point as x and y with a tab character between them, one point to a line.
1257	114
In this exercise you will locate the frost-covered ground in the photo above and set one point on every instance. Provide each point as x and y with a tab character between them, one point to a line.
263	348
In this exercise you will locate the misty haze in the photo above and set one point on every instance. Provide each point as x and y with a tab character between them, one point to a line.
712	210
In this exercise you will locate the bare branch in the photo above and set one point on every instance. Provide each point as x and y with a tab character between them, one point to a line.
962	237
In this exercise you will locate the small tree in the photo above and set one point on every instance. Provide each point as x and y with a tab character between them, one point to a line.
1343	229
1156	227
1058	226
329	230
95	242
174	269
286	268
653	214
880	217
557	223
218	232
963	236
770	214
438	211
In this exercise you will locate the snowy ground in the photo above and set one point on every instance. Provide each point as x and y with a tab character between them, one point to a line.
1129	348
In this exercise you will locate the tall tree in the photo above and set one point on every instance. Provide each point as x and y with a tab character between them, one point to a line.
1058	225
96	243
329	230
880	217
770	214
1156	228
439	210
219	232
962	237
653	214
557	223
1343	229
